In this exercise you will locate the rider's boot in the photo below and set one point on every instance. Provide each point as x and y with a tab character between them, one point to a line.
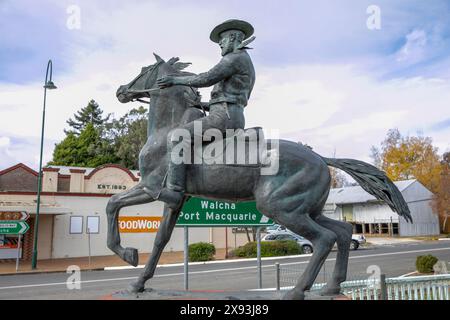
173	194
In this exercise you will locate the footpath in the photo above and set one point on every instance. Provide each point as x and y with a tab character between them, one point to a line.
8	267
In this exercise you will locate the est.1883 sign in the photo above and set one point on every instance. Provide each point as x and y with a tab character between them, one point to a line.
198	212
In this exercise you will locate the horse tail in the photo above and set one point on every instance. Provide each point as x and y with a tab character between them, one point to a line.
375	182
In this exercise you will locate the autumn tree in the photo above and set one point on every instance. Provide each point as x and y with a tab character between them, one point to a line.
415	157
410	157
441	201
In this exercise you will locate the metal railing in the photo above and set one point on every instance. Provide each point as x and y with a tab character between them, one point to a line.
434	287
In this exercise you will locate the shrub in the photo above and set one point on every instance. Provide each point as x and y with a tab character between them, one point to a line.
201	251
424	264
268	249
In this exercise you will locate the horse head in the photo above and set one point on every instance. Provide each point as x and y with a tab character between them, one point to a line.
145	82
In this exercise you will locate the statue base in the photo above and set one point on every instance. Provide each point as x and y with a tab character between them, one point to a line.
159	294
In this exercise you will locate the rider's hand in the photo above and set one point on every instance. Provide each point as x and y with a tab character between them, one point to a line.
165	82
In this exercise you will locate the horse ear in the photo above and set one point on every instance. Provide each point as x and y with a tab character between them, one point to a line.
158	58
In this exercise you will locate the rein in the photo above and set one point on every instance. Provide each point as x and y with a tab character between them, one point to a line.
153	68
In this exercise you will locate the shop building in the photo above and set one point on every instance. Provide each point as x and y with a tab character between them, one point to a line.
371	216
72	216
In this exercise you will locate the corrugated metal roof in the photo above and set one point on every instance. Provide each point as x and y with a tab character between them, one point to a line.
66	170
357	194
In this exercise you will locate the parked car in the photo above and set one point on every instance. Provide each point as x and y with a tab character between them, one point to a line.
275	228
357	239
305	244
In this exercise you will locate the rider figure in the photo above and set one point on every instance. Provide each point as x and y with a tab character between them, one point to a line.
233	79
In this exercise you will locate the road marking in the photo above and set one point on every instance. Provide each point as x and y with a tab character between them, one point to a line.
407	274
218	270
128	278
377	255
141	266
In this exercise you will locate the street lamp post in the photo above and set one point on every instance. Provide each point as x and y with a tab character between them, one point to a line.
47	85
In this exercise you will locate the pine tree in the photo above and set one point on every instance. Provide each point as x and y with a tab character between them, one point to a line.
66	152
129	134
96	140
92	113
88	149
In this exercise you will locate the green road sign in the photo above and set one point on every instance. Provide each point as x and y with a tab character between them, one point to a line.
13	227
198	212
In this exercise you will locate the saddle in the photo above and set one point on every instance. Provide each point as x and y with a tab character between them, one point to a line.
245	147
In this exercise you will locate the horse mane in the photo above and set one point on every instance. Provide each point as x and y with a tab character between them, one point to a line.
179	66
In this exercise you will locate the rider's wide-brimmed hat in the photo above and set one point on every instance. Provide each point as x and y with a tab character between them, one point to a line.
232	24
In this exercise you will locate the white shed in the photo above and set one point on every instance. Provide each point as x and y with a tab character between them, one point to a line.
370	216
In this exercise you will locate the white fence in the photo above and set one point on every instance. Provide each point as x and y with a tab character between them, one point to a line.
435	287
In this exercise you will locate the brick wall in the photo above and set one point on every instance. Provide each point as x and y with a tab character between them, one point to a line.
18	179
27	244
63	184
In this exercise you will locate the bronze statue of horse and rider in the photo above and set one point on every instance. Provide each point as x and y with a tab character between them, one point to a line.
293	196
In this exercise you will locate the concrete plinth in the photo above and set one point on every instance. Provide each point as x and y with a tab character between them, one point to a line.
157	294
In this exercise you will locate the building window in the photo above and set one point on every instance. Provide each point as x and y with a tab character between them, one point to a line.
93	224
76	225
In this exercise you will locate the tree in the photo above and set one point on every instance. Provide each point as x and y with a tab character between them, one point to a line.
338	179
409	157
65	152
129	134
92	113
93	150
415	157
95	140
441	201
88	149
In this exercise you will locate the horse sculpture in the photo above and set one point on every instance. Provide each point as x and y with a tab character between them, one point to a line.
293	197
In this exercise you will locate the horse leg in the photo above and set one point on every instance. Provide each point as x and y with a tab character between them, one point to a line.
163	235
130	197
323	241
343	232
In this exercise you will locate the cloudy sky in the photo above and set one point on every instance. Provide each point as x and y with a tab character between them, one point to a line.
326	74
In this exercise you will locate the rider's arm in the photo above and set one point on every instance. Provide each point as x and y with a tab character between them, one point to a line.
224	69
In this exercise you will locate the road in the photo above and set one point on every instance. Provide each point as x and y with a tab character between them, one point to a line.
394	260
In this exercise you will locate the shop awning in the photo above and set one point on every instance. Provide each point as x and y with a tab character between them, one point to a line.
43	209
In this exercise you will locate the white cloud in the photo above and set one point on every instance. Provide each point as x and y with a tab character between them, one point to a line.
335	108
414	49
328	106
4	142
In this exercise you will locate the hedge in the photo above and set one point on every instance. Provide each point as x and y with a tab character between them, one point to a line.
268	249
424	264
201	251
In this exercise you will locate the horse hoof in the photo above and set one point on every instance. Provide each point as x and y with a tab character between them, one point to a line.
136	287
294	295
131	256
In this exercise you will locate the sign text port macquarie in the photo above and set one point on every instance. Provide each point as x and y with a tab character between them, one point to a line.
199	212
